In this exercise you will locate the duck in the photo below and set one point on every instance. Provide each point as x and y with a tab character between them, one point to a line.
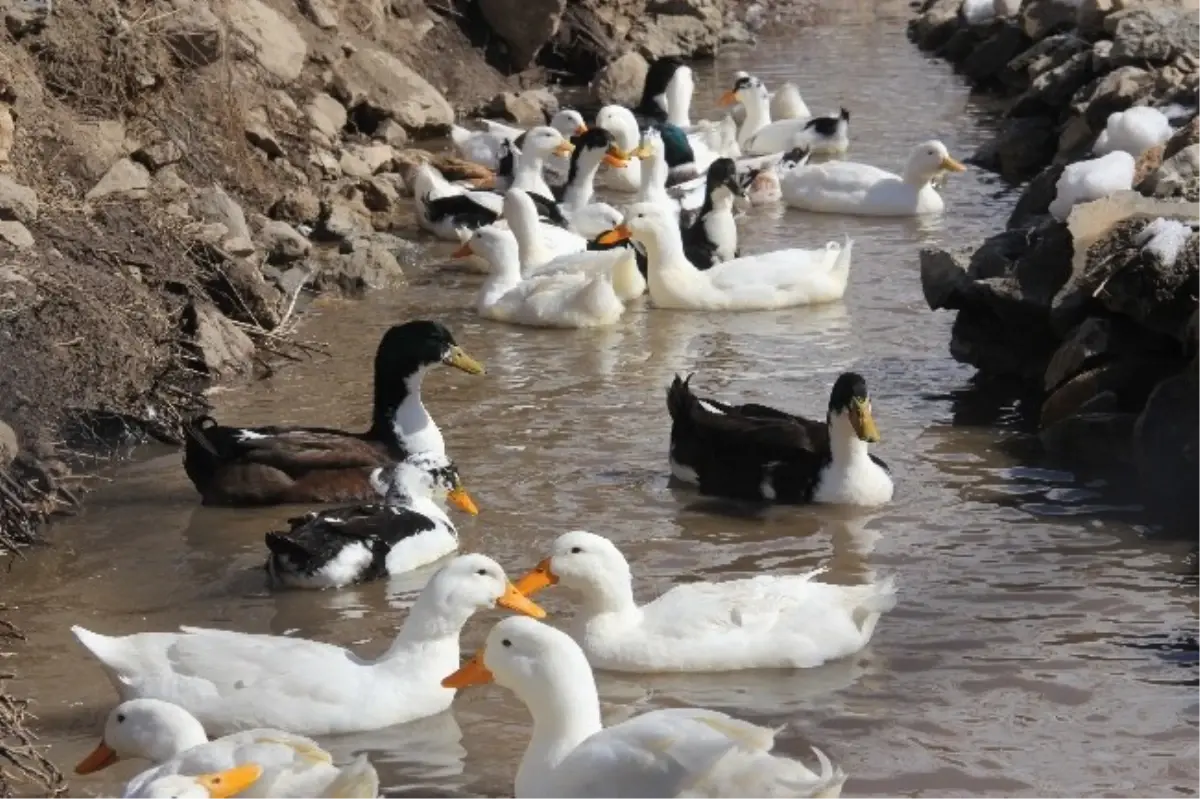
667	93
1084	181
576	197
758	135
1134	130
485	147
408	529
218	784
538	243
232	681
686	156
786	102
568	299
710	234
757	453
825	135
765	281
267	762
846	187
779	621
670	752
275	465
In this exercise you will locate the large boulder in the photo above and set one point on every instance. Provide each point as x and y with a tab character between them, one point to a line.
376	86
1053	89
621	80
269	37
1020	149
1042	18
1118	90
1165	450
1153	34
194	33
936	23
988	59
221	348
525	26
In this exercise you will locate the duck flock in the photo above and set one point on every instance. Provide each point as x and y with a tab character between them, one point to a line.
226	713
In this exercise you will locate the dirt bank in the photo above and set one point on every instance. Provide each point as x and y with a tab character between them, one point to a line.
1087	301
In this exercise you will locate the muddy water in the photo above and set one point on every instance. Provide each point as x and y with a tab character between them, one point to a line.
1029	654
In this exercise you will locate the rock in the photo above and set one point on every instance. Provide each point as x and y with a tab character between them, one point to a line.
524	25
260	134
1075	141
16	235
7	135
1041	18
222	349
298	205
1177	177
376	157
159	154
987	60
194	34
1101	338
1116	91
271	38
126	178
1021	148
376	86
320	12
17	202
1034	204
95	146
683	36
342	218
936	24
354	167
962	44
241	292
943	279
1129	380
620	81
282	242
379	195
1090	16
1006	8
238	246
528	108
1165	450
1091	437
1153	34
215	205
326	115
9	445
293	280
1053	90
392	133
369	265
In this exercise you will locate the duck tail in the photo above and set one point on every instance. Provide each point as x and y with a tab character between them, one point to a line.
109	651
680	399
873	601
830	779
356	780
288	549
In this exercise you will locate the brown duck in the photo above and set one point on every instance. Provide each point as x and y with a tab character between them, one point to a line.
276	465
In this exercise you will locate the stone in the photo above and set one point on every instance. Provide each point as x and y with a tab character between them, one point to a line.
1092	436
1054	89
26	17
282	242
379	195
369	266
127	178
7	135
1075	140
1092	339
376	86
194	34
620	81
1090	16
271	38
1153	34
167	182
1165	450
222	349
1041	18
1116	91
16	235
392	133
238	246
95	146
1177	177
943	279
214	205
1022	147
354	167
260	133
17	202
342	218
528	108
682	36
989	58
321	13
1034	205
159	154
525	26
327	115
1130	380
242	293
10	445
936	24
377	157
298	205
964	42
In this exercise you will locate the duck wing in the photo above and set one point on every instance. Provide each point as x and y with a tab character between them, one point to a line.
292	450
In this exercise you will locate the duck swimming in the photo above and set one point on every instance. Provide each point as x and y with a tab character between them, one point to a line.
275	465
757	453
782	621
263	762
408	529
710	234
673	752
233	681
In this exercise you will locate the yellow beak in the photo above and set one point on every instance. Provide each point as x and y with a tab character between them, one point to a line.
564	149
643	151
517	602
579	131
615	161
863	421
619	233
728	98
951	165
232	781
460	360
473	672
99	758
540	578
462	500
463	252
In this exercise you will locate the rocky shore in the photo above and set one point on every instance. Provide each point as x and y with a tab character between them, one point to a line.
1088	302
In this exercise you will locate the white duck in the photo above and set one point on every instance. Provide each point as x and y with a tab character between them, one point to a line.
538	242
585	215
202	786
675	752
846	187
1084	181
484	147
758	135
234	681
1134	130
753	283
176	743
786	103
569	299
691	152
765	622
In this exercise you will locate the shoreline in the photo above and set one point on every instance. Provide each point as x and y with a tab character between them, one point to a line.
1083	307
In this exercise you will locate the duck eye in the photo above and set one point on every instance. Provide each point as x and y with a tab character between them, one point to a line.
482	572
506	642
576	550
120	718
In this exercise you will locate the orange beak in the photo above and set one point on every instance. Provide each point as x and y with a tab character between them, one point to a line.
619	233
539	579
464	251
579	131
100	758
615	161
462	500
517	602
728	98
473	672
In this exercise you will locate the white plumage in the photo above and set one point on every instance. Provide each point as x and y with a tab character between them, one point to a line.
1085	181
1134	131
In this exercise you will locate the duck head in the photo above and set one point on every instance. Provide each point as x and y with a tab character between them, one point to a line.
474	582
587	563
425	475
850	406
722	181
568	122
544	141
417	345
621	123
496	246
927	161
592	148
146	729
747	90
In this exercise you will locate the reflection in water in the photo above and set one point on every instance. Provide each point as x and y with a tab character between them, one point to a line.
1032	651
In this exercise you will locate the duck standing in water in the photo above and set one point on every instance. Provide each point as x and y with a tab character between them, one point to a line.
407	530
275	465
757	453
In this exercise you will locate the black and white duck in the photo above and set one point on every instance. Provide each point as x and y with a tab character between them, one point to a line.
759	135
275	465
755	452
404	531
710	233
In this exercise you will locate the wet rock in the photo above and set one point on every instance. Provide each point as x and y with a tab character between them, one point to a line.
321	13
1128	380
327	115
127	178
1042	18
369	265
282	242
194	34
298	205
17	202
986	61
937	22
16	235
1153	34
222	349
620	81
960	45
214	205
376	86
943	279
9	445
271	38
1020	149
1091	437
344	218
1165	450
524	25
159	154
528	108
1034	205
1102	338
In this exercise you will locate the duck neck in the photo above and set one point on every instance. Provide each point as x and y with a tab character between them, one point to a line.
758	116
663	251
400	415
679	99
566	712
846	448
581	182
608	593
432	622
524	227
654	179
528	172
183	734
504	271
917	176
